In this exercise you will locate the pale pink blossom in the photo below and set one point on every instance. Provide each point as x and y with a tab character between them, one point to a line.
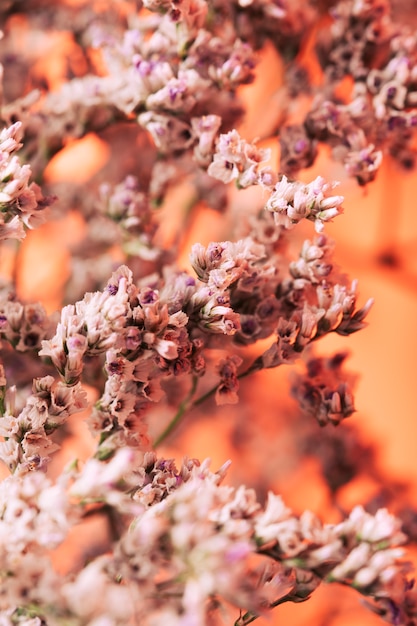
290	202
22	203
235	158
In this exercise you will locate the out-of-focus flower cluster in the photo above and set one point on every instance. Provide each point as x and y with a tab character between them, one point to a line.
184	543
21	203
323	391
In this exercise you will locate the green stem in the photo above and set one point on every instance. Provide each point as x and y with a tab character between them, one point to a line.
2	401
177	417
254	367
17	263
248	618
186	404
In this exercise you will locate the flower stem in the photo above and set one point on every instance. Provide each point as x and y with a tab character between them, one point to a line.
177	417
186	404
248	617
254	367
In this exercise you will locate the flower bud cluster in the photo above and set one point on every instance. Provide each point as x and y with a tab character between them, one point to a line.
361	551
24	325
316	300
88	328
384	87
247	278
318	286
226	392
36	517
290	202
184	539
27	443
207	540
323	391
21	202
128	207
236	159
358	28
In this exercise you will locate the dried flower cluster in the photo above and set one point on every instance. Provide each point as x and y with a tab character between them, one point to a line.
144	334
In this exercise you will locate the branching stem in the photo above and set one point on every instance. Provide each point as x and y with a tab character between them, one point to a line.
187	403
184	406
